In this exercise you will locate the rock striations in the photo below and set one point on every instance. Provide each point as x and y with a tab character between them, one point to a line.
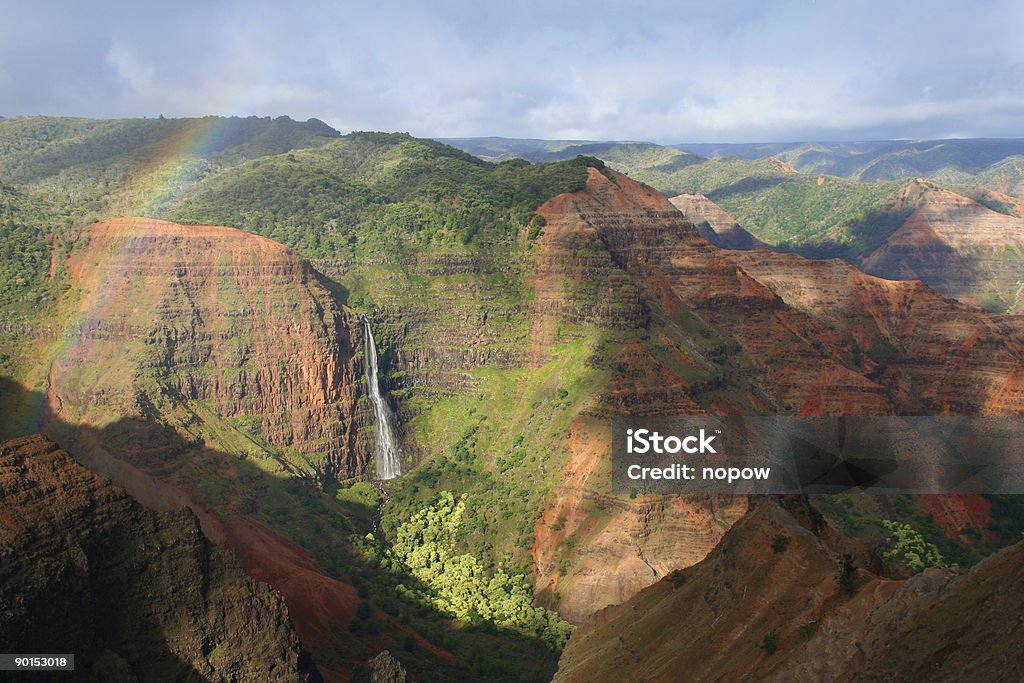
957	246
225	335
726	332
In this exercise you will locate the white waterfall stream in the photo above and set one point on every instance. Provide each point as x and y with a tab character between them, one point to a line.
386	453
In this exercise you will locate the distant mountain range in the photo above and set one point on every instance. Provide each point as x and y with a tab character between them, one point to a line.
946	212
952	160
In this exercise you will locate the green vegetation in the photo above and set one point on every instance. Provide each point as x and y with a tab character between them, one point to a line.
847	576
456	584
780	542
496	445
25	235
639	160
908	546
677	577
368	192
770	642
861	516
90	169
834	217
944	160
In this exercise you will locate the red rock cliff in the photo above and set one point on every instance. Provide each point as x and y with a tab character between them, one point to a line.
225	334
726	332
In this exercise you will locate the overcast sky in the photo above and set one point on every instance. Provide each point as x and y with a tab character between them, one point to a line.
679	71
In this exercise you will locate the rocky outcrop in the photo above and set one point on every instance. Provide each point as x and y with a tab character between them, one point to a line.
134	594
714	223
225	335
763	610
956	246
593	549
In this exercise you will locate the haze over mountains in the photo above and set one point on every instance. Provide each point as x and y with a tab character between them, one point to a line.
878	160
180	314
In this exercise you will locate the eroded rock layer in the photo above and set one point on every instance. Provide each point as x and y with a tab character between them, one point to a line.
726	332
225	335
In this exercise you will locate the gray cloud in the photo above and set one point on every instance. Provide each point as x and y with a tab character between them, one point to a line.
662	71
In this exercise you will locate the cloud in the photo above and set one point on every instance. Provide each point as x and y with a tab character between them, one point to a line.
135	73
661	71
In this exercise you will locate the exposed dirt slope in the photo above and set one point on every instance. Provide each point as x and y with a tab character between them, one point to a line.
748	612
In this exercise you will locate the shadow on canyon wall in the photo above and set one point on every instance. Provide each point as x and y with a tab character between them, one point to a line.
310	544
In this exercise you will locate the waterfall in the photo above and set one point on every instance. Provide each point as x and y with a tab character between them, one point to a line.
386	450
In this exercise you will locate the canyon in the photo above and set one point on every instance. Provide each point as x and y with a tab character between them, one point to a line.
216	369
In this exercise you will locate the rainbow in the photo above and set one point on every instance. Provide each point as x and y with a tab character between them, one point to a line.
176	162
170	166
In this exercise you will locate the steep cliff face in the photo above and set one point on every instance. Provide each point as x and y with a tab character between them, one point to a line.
714	223
209	367
955	245
752	611
134	594
725	332
224	335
